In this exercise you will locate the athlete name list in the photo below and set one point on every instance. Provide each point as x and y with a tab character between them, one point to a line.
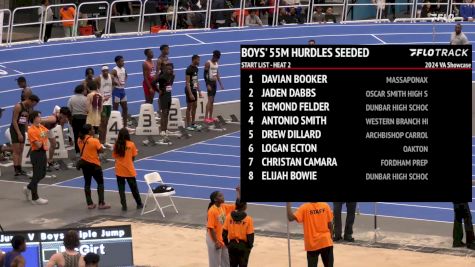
355	123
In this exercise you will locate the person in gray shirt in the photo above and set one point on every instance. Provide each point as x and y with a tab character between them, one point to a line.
252	19
458	37
78	106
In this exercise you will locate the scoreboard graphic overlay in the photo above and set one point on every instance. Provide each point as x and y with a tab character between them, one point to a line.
112	244
356	123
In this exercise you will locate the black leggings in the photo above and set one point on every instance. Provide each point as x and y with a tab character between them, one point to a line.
38	160
93	171
133	187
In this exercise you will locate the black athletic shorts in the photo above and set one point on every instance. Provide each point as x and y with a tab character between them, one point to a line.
195	94
14	135
212	88
165	101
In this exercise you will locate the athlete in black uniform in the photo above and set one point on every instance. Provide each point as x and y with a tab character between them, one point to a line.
18	128
25	90
165	82
192	88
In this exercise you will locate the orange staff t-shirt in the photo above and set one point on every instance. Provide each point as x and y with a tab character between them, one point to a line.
90	150
238	230
67	14
124	166
38	134
315	217
217	217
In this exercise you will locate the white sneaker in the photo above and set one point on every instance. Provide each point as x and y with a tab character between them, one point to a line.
40	201
26	191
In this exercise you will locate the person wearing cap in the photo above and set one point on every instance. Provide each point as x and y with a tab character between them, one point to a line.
25	90
104	83
211	75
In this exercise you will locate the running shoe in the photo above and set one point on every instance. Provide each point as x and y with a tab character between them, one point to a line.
190	128
197	127
40	201
26	191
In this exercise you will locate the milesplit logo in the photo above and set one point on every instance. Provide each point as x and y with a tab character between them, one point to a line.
439	52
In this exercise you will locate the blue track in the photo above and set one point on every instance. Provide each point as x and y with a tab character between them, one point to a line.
54	69
197	170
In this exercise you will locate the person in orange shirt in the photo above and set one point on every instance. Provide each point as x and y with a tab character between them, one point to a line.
317	231
217	211
38	136
124	154
67	14
238	235
90	148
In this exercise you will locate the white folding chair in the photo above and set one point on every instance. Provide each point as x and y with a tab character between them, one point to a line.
155	178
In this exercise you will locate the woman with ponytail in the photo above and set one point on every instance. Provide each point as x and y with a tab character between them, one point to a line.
217	211
124	154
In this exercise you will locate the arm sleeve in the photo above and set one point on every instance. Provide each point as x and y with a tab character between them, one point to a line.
465	40
97	144
299	214
250	228
229	208
32	136
211	220
259	21
250	240
225	237
70	106
134	150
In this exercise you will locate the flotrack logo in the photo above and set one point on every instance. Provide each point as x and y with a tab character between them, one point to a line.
439	52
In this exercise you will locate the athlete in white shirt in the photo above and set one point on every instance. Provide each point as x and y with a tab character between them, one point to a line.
105	85
211	75
119	76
